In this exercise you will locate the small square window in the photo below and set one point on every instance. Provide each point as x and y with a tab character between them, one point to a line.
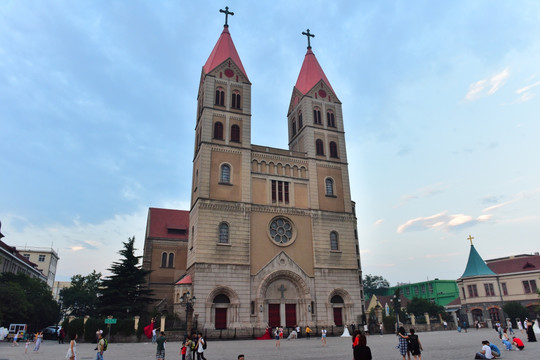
41	258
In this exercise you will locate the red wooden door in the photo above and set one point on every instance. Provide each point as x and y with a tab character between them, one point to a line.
221	318
290	315
273	315
338	319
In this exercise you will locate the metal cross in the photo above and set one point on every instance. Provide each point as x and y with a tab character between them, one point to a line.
227	13
282	289
470	238
308	36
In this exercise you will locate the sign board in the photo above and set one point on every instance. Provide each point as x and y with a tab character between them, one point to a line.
110	321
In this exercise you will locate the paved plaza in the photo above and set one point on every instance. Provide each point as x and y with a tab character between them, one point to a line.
437	345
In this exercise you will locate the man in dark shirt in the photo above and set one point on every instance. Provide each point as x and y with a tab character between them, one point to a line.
160	354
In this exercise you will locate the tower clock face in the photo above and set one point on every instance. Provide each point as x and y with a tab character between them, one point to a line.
322	93
229	73
281	231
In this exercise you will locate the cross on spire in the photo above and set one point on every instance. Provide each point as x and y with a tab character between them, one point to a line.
308	36
470	238
227	13
282	289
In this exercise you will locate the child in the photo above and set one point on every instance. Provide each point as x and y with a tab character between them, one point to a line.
26	346
183	351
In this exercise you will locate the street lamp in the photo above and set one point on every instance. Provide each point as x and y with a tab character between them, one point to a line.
188	301
397	307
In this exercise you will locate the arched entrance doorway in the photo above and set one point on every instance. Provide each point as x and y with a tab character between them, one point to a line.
337	306
221	303
283	300
477	315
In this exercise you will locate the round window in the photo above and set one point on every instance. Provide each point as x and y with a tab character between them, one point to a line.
281	231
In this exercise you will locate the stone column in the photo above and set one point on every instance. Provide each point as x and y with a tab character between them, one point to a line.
136	323
162	323
454	315
428	322
86	317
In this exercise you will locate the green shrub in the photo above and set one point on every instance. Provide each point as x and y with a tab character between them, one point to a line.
389	323
76	326
91	327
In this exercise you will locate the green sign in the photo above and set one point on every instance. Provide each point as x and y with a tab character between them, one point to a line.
110	321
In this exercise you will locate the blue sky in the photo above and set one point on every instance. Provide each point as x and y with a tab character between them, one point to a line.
440	99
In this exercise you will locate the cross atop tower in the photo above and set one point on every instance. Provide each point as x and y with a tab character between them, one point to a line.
227	13
308	36
470	238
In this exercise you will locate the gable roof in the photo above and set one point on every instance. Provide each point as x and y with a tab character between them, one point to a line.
310	74
476	265
514	264
223	50
168	223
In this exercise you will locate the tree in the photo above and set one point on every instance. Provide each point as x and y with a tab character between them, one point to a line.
124	293
375	285
515	310
27	300
418	307
81	298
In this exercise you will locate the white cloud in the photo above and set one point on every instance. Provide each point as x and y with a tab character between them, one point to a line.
378	222
487	86
441	221
524	195
424	192
82	247
525	93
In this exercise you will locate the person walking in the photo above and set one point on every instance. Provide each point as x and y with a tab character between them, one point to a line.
276	336
308	332
362	351
100	347
402	344
201	346
531	337
61	336
381	329
72	349
414	345
15	338
160	350
323	336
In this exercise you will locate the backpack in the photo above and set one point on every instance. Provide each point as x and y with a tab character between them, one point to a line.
413	342
105	344
204	344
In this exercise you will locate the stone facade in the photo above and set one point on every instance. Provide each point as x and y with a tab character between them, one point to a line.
272	232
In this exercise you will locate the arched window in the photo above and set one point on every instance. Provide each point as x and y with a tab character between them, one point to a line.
164	259
334	244
333	149
300	121
220	96
225	176
171	260
293	127
235	99
222	299
218	130
319	147
317	116
223	233
329	183
330	120
235	133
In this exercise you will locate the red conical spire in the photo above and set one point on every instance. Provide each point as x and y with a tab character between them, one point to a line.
223	50
310	74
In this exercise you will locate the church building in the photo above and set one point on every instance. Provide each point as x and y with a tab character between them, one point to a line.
271	238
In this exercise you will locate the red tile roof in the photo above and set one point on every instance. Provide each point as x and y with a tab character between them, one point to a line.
186	280
13	251
386	299
310	74
167	223
514	264
455	302
223	50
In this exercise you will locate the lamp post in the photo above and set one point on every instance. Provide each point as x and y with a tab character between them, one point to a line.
396	301
188	301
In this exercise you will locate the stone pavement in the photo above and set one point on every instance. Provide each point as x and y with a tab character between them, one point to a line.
439	345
